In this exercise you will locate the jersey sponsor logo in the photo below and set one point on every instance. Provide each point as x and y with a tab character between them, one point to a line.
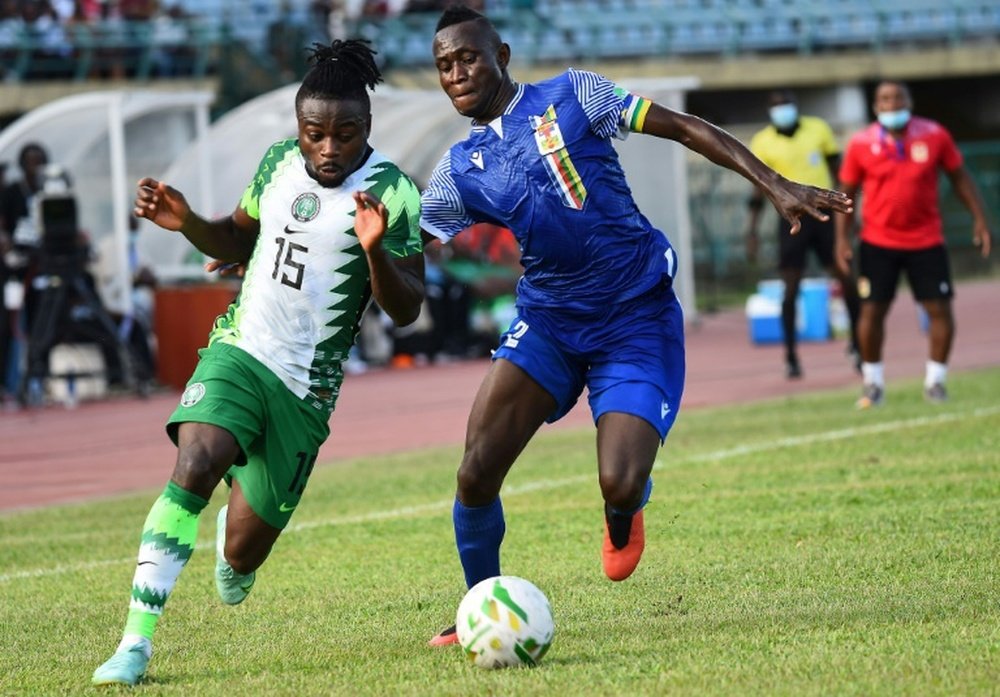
477	159
193	394
290	231
305	207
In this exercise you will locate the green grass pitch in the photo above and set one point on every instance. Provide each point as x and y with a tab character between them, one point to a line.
794	547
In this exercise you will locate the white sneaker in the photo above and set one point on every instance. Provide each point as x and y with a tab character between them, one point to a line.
125	667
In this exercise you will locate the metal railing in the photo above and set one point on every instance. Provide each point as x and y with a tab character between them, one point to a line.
112	49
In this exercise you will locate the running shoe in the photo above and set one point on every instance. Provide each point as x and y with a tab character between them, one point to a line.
125	667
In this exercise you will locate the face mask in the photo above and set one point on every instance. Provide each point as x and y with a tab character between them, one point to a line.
784	116
894	120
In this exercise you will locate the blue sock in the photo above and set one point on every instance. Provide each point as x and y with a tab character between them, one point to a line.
642	504
478	534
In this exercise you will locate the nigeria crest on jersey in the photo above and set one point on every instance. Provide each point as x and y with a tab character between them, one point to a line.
305	207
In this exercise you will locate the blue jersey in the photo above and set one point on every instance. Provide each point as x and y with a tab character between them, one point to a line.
547	170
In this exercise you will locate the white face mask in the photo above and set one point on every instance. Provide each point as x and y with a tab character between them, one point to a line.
784	116
894	120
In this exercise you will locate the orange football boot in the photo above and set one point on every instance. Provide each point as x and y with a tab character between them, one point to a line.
620	561
446	637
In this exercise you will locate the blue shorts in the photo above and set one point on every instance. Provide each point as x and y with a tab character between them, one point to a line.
630	357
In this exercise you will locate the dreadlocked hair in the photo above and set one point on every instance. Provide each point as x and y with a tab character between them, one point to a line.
340	70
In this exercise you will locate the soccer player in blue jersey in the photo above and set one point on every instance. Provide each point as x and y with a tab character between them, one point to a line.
595	306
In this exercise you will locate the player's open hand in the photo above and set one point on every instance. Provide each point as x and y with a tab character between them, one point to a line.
795	200
164	205
982	238
371	220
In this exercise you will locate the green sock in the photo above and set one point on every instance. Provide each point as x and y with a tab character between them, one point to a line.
168	539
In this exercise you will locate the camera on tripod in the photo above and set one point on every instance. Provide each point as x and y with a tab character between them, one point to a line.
57	218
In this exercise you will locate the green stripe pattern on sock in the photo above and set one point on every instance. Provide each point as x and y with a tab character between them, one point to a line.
168	539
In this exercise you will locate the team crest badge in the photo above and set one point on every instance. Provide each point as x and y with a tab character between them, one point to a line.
305	207
193	394
919	152
548	137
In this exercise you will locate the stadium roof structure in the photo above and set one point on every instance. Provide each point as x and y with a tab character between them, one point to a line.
413	128
106	141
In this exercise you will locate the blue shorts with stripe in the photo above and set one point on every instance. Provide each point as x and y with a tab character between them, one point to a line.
630	357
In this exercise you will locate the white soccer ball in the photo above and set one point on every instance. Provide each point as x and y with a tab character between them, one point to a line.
504	621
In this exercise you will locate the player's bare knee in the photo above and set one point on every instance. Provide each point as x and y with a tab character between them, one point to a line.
477	486
198	470
622	490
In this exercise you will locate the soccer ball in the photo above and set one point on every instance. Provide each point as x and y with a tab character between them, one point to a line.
504	621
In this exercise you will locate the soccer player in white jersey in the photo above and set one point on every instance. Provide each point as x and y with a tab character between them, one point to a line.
596	306
326	225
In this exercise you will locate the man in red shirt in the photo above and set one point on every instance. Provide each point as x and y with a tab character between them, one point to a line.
896	162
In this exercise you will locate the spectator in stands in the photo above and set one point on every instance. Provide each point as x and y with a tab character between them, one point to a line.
52	49
375	9
895	163
803	149
339	24
170	40
11	26
286	41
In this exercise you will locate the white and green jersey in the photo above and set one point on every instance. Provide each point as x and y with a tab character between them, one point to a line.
308	283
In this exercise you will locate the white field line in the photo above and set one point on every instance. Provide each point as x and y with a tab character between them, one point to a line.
543	484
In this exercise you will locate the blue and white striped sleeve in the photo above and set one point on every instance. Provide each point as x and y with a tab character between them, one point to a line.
441	210
600	101
613	112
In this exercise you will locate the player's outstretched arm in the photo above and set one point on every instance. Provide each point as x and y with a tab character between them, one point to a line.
230	239
792	200
397	283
